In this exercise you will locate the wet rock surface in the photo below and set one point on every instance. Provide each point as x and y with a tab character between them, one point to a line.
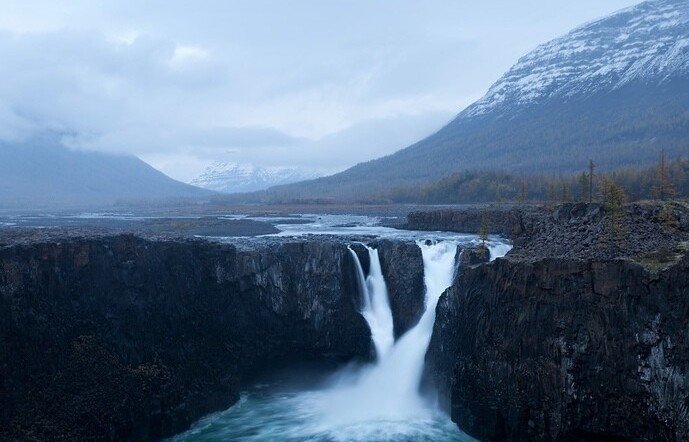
123	338
402	266
473	256
560	341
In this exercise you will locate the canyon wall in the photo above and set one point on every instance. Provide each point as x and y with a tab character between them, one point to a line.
121	338
548	345
580	333
564	350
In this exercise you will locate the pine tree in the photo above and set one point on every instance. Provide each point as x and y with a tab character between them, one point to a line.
664	188
615	214
604	187
592	168
498	195
522	192
552	194
565	193
584	186
484	229
667	217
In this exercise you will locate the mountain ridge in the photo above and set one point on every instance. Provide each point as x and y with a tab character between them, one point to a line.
232	177
532	120
43	173
645	46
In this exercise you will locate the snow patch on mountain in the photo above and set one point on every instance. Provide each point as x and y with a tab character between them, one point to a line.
230	177
648	42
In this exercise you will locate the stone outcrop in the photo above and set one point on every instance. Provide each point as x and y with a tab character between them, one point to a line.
572	230
121	338
504	221
591	232
563	350
472	256
402	266
549	345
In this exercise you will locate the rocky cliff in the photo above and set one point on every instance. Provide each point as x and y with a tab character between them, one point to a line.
501	220
580	333
573	230
402	266
566	340
122	338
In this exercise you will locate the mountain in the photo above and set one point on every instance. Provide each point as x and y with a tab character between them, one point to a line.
231	177
615	90
42	173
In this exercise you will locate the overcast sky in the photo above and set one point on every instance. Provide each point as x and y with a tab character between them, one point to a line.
314	83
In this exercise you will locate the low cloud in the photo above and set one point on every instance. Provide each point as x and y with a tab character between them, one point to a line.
308	83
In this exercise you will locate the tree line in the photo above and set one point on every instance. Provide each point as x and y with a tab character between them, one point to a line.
665	180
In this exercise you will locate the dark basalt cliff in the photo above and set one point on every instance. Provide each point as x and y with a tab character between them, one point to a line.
580	333
563	350
121	338
546	345
501	220
402	266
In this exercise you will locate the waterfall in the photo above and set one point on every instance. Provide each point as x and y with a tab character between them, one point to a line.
389	389
380	401
498	249
376	305
401	372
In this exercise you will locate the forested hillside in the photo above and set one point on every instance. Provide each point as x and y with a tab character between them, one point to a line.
478	187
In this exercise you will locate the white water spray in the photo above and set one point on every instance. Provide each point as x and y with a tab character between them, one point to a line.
498	249
376	305
389	390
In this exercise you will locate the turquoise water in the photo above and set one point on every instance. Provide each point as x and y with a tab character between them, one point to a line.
379	402
264	415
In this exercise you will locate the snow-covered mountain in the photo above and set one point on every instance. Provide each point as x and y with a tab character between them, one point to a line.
645	43
229	177
615	90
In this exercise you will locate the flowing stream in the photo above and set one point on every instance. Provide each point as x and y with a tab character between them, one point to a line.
379	402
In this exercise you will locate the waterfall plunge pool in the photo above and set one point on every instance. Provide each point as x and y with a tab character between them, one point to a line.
270	414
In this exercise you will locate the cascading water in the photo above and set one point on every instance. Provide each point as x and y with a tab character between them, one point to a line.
498	249
392	384
376	306
380	402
